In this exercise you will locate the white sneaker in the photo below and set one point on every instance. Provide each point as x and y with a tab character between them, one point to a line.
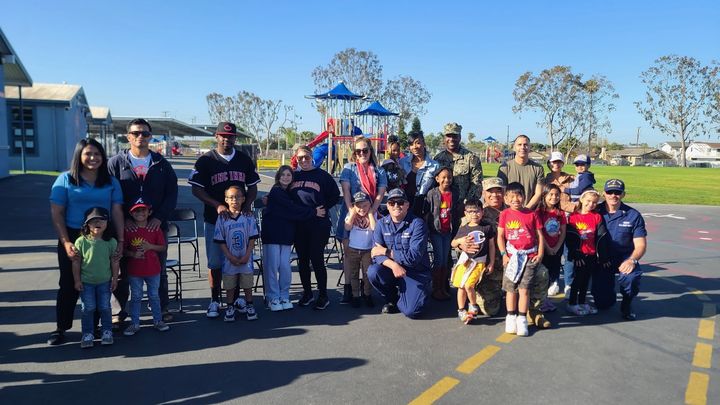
286	304
567	292
275	305
511	324
230	314
213	310
554	289
240	305
522	325
250	312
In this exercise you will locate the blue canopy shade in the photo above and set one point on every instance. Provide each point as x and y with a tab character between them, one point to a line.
339	92
376	109
489	139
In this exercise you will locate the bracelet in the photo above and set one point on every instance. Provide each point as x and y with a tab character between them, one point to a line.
503	253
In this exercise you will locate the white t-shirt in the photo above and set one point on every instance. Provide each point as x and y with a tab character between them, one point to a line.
140	164
228	157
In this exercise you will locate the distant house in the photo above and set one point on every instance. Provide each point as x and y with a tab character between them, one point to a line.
697	153
101	127
639	157
12	74
56	117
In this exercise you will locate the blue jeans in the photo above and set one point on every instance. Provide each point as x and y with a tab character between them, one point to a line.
95	297
136	294
278	274
568	269
441	249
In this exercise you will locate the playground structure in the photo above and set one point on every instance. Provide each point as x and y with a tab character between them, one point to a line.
342	120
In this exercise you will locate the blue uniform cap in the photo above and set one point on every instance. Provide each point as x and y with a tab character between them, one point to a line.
396	194
615	185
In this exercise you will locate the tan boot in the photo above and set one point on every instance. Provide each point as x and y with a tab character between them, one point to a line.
538	319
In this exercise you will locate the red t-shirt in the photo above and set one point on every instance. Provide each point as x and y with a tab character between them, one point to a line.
552	223
150	264
586	225
520	228
445	212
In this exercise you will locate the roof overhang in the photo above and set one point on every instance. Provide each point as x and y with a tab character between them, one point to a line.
163	125
14	71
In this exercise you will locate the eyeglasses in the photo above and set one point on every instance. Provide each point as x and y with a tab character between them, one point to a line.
304	157
393	203
144	134
453	136
363	151
614	192
472	212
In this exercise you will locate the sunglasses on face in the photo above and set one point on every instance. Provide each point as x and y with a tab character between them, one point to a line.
304	157
614	192
144	134
453	136
363	151
393	203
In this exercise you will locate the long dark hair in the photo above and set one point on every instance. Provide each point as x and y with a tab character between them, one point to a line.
547	188
280	172
103	177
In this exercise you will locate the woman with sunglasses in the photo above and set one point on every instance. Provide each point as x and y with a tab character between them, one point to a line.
362	173
87	184
420	169
312	187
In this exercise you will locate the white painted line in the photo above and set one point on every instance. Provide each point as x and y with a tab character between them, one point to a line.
703	232
705	238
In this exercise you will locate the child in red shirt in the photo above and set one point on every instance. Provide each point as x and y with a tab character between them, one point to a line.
586	248
143	265
521	244
554	224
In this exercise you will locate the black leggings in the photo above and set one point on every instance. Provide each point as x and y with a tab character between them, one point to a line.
67	295
579	287
553	264
310	241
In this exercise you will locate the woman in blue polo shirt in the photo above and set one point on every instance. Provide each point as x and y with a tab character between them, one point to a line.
86	185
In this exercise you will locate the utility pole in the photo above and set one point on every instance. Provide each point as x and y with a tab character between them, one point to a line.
637	138
165	114
507	138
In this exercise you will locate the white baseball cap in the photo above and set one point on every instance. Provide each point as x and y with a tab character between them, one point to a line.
557	155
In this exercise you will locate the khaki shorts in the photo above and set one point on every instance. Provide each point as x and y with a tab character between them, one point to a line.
242	280
525	281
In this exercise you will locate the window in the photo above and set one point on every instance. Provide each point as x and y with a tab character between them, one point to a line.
16	135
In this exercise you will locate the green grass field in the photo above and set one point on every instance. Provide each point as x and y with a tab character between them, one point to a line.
651	185
655	185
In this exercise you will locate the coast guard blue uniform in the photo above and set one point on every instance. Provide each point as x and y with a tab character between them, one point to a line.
624	225
408	242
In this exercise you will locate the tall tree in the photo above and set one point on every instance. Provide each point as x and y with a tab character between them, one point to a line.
361	72
553	93
596	104
416	127
406	96
679	98
402	135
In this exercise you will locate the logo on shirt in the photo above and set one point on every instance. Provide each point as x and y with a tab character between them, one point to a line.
552	227
231	175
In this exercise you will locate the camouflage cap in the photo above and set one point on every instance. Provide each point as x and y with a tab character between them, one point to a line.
452	128
492	182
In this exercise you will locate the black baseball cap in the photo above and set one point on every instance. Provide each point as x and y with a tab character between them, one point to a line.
226	129
96	213
396	194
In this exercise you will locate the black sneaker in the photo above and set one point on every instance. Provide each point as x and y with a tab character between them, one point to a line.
369	301
56	338
322	302
390	308
355	302
306	299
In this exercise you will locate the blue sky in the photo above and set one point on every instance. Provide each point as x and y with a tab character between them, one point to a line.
143	58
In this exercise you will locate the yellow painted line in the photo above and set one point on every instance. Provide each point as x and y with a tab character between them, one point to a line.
703	355
469	365
700	295
506	338
435	392
709	310
706	330
696	393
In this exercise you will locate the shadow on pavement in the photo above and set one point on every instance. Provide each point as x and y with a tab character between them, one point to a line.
179	384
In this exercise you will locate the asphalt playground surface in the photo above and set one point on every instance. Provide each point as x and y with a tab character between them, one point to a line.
346	355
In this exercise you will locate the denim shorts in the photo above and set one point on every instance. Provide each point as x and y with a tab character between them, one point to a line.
215	257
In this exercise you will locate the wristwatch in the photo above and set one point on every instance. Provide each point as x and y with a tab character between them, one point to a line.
635	262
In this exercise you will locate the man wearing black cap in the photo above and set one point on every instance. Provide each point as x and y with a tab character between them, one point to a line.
401	266
213	173
626	228
147	175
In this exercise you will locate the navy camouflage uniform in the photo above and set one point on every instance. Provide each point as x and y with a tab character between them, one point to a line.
408	242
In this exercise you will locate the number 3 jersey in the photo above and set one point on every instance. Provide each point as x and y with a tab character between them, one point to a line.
236	234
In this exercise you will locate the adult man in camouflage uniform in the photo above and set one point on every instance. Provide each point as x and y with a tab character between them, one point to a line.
466	166
489	289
